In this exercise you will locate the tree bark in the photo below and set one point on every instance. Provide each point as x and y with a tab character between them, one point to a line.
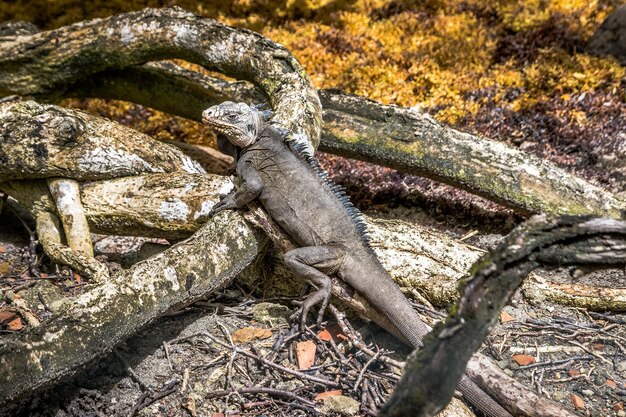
432	374
391	136
46	141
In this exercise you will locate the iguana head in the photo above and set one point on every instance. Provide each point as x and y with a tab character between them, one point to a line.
240	123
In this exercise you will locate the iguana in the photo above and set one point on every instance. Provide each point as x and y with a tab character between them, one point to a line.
317	215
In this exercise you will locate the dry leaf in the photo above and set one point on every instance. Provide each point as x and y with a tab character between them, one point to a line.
326	394
15	324
618	406
4	267
506	317
523	359
611	384
577	402
573	372
332	331
248	334
305	352
2	250
6	316
325	336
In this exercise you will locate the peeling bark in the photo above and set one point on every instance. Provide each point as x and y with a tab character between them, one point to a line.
391	136
432	374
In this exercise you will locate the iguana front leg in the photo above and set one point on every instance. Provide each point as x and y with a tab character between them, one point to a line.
250	188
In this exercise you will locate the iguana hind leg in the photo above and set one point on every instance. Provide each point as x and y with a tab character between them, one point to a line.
314	264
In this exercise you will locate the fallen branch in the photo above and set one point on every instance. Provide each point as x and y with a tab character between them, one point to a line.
539	290
391	136
45	64
432	374
87	326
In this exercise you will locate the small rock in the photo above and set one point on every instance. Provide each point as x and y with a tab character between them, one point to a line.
341	405
559	395
587	393
621	413
248	334
271	313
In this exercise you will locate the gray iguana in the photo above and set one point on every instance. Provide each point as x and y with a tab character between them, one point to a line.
317	215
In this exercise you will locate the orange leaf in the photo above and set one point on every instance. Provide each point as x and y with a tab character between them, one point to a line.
248	334
610	383
6	316
15	324
2	249
573	372
618	406
305	352
325	335
598	346
523	359
326	394
506	317
577	402
336	332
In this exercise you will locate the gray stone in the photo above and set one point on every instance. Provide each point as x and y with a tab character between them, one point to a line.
610	38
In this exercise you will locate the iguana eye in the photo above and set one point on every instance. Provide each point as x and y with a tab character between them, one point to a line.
232	117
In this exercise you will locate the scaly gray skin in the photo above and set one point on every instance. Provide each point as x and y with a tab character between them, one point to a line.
319	218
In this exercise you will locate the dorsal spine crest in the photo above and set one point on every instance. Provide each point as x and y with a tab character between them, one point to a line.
355	214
